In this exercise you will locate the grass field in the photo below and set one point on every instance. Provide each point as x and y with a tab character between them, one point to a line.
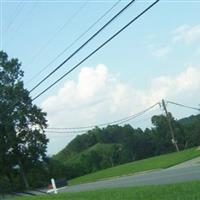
157	162
181	191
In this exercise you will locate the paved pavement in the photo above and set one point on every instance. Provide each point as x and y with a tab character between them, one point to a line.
164	176
183	172
193	162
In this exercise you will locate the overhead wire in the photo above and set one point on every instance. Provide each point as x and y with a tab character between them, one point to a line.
138	115
16	14
75	41
66	23
83	45
182	105
116	122
93	52
69	132
30	12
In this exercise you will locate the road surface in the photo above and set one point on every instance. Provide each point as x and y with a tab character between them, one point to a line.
164	176
183	172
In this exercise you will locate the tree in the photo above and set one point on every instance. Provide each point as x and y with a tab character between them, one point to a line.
23	143
191	126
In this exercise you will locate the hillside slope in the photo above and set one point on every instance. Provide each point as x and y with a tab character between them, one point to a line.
157	162
107	147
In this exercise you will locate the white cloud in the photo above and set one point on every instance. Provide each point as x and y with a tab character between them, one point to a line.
161	51
187	34
86	101
158	50
166	86
99	96
198	52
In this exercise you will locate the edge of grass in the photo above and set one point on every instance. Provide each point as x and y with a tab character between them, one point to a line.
184	191
148	164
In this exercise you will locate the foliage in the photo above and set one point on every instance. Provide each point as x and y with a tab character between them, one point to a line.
191	127
22	139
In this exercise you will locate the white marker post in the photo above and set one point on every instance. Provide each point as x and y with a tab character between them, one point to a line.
54	186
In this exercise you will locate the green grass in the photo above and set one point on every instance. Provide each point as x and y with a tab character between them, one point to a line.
157	162
180	191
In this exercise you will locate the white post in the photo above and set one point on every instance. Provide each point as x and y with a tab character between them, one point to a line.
54	186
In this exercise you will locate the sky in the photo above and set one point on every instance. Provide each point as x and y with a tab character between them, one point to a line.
157	57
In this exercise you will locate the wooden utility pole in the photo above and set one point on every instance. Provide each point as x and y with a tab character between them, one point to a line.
174	142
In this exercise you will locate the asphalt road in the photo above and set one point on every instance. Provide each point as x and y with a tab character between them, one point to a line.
183	172
164	176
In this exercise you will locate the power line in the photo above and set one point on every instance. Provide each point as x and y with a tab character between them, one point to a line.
75	41
84	44
61	28
93	52
138	115
119	121
30	12
182	105
82	131
17	13
86	130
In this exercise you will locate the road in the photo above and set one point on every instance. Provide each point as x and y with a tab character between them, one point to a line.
183	172
164	176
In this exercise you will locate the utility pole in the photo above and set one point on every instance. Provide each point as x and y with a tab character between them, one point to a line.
174	142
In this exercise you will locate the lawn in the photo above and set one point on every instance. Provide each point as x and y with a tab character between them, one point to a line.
158	162
180	191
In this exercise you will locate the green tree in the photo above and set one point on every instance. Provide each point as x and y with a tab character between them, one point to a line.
191	127
22	140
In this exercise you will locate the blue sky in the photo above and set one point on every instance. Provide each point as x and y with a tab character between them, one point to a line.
152	56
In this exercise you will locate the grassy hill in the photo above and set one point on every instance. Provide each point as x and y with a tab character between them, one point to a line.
158	162
111	134
101	148
97	157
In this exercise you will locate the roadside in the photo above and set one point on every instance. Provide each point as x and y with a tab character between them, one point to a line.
140	166
183	191
160	177
186	171
192	162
